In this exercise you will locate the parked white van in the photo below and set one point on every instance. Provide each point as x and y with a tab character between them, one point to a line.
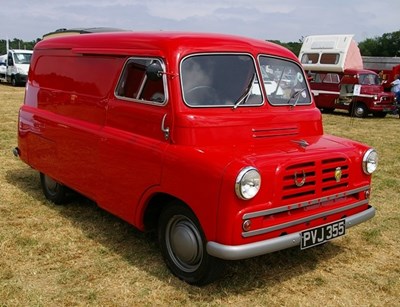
17	66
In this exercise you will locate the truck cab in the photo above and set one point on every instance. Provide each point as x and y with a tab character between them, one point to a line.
338	80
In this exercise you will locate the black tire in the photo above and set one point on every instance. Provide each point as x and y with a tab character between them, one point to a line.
359	110
379	114
13	81
327	110
54	191
183	246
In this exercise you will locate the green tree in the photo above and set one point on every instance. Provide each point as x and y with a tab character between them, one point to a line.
292	46
386	45
17	44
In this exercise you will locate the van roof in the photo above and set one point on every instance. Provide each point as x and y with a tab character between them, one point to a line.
21	50
185	42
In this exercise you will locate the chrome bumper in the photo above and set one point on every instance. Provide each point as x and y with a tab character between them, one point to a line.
237	252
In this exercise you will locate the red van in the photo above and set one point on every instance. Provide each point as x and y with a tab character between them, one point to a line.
212	140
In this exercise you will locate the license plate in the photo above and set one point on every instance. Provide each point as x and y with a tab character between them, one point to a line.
322	234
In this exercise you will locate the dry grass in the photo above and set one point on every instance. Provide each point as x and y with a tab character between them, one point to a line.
79	255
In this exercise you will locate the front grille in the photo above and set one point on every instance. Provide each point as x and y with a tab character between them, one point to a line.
318	176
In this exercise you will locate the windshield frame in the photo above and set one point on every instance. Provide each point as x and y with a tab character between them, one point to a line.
230	106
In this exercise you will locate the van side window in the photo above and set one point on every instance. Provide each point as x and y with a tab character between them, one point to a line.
330	58
135	85
326	78
331	78
310	58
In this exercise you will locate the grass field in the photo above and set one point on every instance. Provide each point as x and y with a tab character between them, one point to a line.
79	255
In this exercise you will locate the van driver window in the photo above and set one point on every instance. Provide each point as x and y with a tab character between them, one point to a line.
134	84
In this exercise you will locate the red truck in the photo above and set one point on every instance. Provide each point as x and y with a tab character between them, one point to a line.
338	79
386	67
214	141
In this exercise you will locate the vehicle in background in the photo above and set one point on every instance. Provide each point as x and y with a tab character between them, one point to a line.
211	141
3	67
17	63
338	79
386	67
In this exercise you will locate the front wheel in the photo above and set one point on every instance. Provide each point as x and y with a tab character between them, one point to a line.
54	191
359	110
183	246
327	110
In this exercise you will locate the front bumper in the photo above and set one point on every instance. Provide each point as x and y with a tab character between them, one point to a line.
237	252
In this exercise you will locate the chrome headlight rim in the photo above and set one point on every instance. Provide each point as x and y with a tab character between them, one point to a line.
243	178
370	161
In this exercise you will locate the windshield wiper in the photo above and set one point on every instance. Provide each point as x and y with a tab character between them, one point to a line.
297	96
246	93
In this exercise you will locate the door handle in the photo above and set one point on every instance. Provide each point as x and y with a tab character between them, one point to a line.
163	128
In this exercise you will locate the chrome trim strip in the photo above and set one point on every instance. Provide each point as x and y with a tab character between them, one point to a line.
317	92
244	251
304	203
303	220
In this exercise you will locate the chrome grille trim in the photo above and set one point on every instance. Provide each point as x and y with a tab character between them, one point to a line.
304	203
302	220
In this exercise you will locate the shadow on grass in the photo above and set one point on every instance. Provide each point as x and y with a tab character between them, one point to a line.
141	250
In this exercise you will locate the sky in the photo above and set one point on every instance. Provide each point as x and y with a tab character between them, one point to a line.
283	20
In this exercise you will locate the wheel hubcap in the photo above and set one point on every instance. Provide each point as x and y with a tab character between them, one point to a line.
359	111
184	243
51	184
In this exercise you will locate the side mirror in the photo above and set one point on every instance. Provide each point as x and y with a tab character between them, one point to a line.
154	71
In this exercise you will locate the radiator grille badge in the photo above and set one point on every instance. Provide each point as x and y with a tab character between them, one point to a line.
338	174
297	181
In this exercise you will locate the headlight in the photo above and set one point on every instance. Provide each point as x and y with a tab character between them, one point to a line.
370	161
248	183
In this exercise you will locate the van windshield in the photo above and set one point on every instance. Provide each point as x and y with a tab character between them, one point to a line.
284	82
228	80
369	79
232	80
22	58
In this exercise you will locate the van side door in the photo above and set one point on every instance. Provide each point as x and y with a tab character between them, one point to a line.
134	141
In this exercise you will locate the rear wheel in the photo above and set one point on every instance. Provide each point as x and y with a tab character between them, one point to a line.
183	246
327	110
54	191
380	114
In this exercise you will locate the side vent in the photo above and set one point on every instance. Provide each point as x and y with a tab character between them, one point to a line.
274	132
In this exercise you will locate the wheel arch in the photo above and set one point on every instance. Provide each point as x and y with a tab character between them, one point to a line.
153	208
